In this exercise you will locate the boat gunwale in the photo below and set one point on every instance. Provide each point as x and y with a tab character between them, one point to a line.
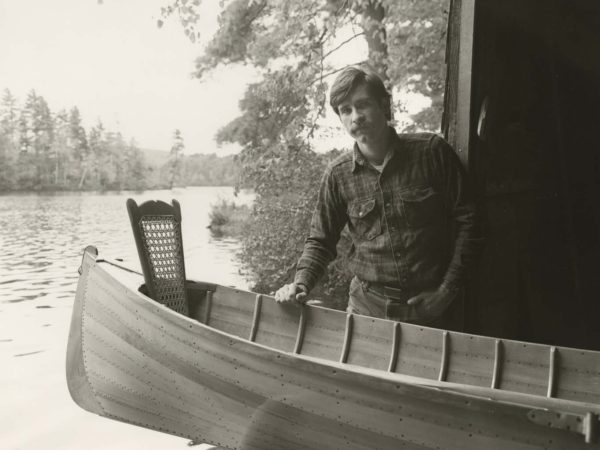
512	398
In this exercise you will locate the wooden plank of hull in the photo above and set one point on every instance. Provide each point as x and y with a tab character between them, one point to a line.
78	384
576	367
136	361
278	326
371	343
471	361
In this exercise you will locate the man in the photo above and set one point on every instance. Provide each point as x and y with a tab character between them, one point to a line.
407	207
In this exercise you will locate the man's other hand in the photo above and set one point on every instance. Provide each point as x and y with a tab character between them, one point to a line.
290	293
431	304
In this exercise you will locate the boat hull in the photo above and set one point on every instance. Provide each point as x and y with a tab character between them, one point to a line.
133	360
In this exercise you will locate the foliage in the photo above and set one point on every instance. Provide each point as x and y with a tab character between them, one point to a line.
40	149
280	217
175	157
406	39
9	143
43	150
417	45
226	218
219	215
209	170
291	44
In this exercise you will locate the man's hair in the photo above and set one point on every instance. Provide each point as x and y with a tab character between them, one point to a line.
353	76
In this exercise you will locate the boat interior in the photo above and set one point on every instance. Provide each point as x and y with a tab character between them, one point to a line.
330	335
395	347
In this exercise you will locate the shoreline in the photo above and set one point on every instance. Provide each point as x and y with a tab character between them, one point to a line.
54	191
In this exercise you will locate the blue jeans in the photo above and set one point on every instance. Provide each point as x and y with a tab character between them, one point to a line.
367	302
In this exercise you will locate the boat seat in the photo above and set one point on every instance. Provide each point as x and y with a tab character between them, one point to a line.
157	230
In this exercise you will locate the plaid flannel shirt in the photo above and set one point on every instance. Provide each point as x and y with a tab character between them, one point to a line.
413	226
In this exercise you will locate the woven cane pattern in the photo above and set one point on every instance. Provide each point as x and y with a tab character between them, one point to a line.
162	242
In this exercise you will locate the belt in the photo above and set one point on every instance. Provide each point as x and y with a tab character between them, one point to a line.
393	293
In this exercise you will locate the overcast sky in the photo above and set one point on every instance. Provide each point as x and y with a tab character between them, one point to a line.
114	63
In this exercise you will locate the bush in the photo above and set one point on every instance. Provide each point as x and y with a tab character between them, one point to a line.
220	214
273	234
227	218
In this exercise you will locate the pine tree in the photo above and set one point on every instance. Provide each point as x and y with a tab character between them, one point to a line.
9	120
100	156
9	139
26	161
41	150
59	149
175	157
79	149
43	129
136	167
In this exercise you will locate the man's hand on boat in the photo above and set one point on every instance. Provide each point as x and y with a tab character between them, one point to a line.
434	302
291	293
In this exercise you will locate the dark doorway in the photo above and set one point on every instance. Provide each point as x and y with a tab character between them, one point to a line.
536	72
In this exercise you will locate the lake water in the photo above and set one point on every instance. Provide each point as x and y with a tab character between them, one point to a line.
41	242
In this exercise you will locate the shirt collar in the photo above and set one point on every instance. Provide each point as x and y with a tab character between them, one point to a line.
358	159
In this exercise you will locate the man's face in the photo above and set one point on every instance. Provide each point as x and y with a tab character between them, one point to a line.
363	116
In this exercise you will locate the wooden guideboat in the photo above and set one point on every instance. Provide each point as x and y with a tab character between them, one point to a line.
242	371
238	370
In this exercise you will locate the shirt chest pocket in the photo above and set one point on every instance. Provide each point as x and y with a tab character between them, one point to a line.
421	206
364	219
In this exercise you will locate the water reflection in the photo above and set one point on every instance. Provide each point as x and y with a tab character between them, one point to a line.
43	237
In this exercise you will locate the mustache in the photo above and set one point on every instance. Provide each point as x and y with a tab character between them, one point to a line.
359	127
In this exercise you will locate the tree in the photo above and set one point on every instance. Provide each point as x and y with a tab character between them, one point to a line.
175	156
41	150
27	174
43	137
417	52
209	170
9	139
79	148
117	149
291	44
405	39
9	118
99	155
135	167
59	148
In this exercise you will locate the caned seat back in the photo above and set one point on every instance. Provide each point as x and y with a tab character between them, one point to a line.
157	230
